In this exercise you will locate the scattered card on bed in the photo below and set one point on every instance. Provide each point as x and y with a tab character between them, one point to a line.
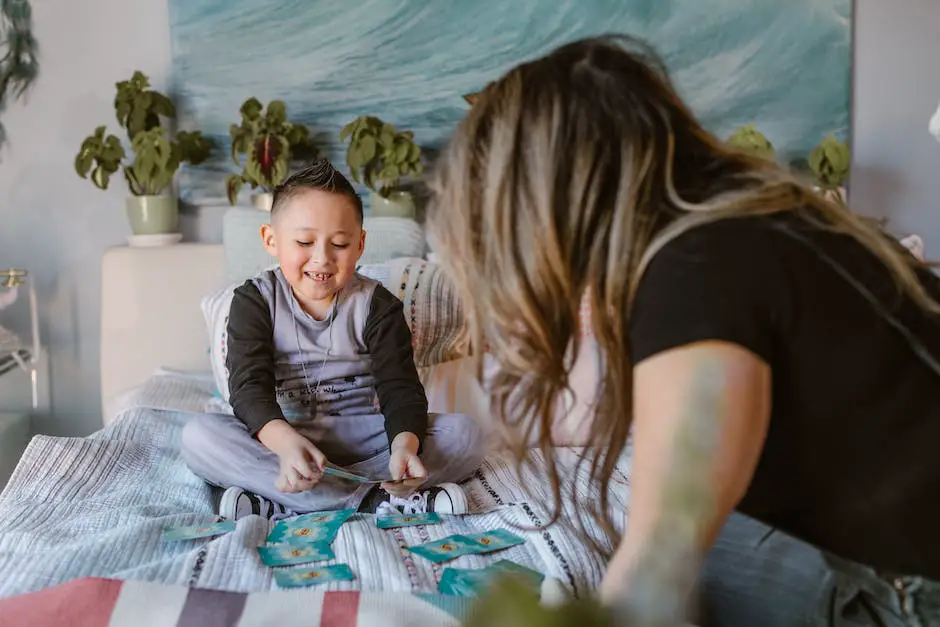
285	555
192	532
471	582
313	527
300	577
407	520
495	540
444	549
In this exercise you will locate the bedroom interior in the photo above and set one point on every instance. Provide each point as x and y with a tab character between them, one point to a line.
130	336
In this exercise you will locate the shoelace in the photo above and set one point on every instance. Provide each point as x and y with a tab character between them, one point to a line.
417	503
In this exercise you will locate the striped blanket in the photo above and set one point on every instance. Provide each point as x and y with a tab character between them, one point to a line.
96	507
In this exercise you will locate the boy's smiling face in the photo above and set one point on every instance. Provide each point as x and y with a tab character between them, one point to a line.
317	239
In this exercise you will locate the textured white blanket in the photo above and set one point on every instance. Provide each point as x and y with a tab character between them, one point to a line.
97	506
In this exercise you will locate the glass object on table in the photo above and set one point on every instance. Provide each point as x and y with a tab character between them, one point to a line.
13	352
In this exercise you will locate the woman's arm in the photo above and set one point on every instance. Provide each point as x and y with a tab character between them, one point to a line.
720	393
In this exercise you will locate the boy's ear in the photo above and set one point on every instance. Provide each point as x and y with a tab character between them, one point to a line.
362	243
268	239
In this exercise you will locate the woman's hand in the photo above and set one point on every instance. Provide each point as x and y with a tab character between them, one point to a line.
405	466
301	462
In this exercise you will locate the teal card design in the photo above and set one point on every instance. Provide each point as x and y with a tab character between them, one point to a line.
192	532
407	520
313	527
302	577
495	540
444	549
289	554
472	582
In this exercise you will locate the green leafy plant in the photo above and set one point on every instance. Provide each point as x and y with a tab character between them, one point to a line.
378	155
157	156
748	139
830	162
269	142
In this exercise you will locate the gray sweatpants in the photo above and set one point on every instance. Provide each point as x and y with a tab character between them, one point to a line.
218	448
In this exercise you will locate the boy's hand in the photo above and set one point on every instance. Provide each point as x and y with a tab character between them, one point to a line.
405	464
301	462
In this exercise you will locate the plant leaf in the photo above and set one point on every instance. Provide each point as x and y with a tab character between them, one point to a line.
233	185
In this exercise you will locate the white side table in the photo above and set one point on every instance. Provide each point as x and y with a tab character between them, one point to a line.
14	436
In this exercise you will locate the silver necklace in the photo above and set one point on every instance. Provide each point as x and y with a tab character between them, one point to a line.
312	395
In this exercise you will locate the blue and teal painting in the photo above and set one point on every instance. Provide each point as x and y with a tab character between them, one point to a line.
783	65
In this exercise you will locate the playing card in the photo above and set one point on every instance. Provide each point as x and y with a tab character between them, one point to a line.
407	520
351	476
313	527
191	532
471	582
444	549
286	554
494	540
299	577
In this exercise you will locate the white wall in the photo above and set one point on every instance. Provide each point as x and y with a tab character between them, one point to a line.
51	221
58	225
896	163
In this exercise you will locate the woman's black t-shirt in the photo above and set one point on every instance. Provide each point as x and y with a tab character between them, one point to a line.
851	462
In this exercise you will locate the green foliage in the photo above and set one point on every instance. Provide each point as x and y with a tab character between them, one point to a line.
379	155
157	156
269	143
19	61
748	139
510	604
830	162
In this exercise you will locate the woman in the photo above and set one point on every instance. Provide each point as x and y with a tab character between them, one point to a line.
795	341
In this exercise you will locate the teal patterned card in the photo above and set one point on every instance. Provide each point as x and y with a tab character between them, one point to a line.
192	532
313	527
288	554
302	577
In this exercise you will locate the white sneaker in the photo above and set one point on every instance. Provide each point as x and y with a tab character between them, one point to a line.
236	504
445	498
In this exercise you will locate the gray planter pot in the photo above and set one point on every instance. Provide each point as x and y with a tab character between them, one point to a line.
397	205
153	215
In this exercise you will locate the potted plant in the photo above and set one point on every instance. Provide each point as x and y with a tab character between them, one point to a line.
151	208
380	157
830	162
748	139
269	143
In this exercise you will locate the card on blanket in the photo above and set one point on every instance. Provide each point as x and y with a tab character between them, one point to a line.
192	532
471	582
281	555
313	527
407	520
300	577
457	545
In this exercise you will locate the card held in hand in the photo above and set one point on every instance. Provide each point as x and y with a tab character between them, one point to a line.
287	554
407	520
192	532
301	577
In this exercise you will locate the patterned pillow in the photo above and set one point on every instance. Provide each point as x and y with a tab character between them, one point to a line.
431	311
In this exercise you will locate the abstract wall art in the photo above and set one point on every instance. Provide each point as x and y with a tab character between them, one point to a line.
783	65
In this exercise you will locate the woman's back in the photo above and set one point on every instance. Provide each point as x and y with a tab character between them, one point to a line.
850	461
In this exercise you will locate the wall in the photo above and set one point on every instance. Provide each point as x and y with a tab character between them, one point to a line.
51	221
58	225
896	163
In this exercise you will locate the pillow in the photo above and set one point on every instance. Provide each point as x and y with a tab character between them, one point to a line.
431	311
215	308
386	238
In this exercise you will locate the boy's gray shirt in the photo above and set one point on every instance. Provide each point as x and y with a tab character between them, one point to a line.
359	360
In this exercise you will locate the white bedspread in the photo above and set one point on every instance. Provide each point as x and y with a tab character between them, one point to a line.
97	506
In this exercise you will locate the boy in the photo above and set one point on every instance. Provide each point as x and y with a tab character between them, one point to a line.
321	371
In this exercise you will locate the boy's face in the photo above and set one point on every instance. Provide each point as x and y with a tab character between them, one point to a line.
317	240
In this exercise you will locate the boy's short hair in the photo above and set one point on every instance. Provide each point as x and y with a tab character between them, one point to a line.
320	175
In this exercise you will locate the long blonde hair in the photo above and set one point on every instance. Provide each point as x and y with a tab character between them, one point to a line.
566	177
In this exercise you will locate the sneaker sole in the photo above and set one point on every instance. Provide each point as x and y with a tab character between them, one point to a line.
458	499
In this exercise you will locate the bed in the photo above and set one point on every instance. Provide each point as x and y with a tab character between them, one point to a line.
80	532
